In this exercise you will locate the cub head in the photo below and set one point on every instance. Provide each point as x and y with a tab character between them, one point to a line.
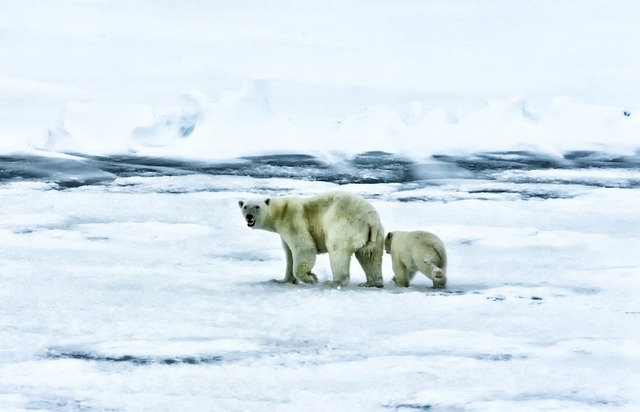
254	211
387	242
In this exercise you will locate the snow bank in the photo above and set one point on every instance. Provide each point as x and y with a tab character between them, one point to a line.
242	123
224	80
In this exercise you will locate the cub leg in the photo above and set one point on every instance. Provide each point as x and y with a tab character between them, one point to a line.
437	275
402	275
429	264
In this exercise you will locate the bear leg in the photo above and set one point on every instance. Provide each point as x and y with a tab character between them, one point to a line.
303	262
288	275
402	275
340	262
436	275
371	263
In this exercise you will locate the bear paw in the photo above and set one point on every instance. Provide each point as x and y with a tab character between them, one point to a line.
371	285
309	278
439	278
293	281
439	283
402	283
336	284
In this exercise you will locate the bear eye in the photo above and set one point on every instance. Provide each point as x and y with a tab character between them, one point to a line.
257	207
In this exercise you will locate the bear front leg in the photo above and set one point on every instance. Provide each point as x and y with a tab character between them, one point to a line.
303	262
288	274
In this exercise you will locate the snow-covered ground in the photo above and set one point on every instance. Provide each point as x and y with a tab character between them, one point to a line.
150	293
130	129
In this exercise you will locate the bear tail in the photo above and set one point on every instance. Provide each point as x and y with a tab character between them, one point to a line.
376	235
376	231
372	235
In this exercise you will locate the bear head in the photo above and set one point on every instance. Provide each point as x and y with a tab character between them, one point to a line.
254	211
387	242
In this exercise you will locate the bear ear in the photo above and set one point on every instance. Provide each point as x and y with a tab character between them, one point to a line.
241	203
267	201
389	235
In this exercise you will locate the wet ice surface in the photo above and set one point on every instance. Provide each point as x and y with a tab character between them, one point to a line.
133	284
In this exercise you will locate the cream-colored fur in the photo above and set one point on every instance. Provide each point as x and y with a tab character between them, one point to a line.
417	251
338	223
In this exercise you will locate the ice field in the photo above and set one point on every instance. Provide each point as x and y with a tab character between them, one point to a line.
129	130
148	292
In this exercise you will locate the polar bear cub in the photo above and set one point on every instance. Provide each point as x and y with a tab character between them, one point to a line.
417	251
338	223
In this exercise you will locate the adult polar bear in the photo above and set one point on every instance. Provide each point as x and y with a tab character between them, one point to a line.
338	223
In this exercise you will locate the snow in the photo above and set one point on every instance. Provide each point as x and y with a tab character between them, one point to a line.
129	130
109	303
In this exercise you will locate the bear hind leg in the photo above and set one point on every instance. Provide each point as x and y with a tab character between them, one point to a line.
436	274
340	263
371	263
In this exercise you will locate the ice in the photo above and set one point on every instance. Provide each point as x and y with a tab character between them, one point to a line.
132	295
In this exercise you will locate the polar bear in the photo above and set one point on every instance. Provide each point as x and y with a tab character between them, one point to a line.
338	223
417	251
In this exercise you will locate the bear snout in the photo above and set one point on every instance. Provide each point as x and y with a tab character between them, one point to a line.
250	220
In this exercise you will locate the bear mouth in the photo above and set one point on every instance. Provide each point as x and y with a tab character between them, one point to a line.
251	223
